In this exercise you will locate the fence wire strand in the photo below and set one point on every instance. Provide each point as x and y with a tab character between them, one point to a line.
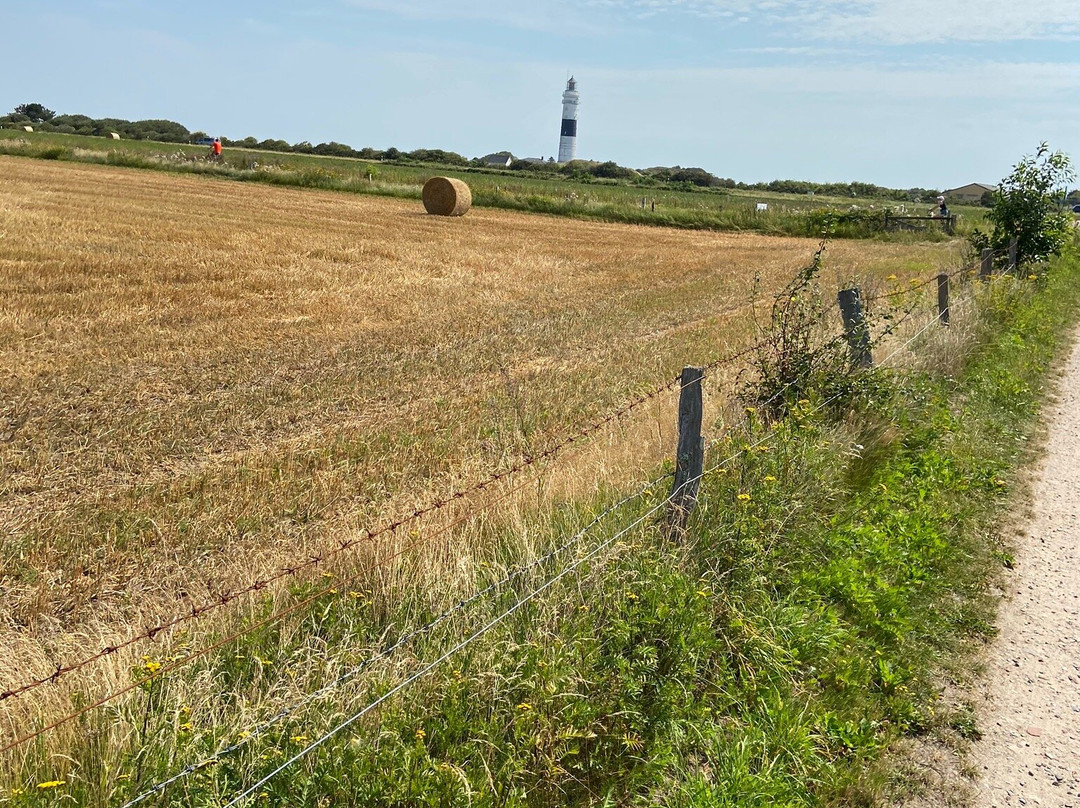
343	678
419	674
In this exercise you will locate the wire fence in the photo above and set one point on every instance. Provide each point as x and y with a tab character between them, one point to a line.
450	614
428	668
299	566
293	570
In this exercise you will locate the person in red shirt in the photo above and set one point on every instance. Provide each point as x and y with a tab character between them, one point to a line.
216	148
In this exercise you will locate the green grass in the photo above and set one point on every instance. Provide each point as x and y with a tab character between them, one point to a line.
607	200
769	659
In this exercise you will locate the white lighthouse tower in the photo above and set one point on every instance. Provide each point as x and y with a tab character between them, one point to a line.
568	136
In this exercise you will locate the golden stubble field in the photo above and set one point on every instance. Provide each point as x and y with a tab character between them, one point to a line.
203	379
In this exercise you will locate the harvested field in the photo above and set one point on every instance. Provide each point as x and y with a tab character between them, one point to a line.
202	379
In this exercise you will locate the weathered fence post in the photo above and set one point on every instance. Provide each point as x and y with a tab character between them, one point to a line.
1013	245
986	267
943	298
690	454
856	329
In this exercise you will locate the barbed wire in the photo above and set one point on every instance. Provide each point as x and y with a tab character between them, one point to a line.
445	656
446	615
170	667
315	560
312	562
178	663
260	729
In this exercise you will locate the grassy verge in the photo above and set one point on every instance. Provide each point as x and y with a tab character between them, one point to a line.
835	561
610	201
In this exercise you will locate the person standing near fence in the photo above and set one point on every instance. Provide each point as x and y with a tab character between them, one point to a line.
943	209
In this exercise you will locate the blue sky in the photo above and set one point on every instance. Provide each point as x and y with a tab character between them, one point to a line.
897	92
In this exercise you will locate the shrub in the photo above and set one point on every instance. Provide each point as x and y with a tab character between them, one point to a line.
1024	206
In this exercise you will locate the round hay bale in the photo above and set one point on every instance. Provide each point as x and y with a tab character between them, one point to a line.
446	196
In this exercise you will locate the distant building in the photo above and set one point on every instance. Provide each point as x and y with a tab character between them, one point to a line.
501	159
971	194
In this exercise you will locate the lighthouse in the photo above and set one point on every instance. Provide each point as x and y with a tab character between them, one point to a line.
568	136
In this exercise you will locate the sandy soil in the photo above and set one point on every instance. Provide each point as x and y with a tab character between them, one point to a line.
1029	754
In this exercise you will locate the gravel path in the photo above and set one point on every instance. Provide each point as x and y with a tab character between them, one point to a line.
1030	751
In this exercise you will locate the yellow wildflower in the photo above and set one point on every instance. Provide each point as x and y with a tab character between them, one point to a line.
524	706
1031	277
764	449
243	735
891	278
187	726
804	402
15	792
743	497
631	596
299	738
702	593
50	784
419	734
151	666
751	410
769	478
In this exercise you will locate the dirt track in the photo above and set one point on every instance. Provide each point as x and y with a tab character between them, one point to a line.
1030	751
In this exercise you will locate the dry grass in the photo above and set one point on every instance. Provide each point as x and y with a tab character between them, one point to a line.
201	378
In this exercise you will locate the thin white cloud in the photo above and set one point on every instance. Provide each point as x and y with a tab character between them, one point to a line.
553	16
897	22
991	82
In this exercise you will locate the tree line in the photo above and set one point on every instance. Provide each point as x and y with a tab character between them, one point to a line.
46	120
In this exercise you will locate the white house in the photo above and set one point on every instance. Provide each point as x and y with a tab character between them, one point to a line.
501	159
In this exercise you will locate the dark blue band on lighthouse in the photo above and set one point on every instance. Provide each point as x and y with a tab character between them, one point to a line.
569	128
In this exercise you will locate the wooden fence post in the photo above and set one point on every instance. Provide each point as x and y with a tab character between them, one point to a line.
856	329
1013	245
943	298
690	454
986	267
